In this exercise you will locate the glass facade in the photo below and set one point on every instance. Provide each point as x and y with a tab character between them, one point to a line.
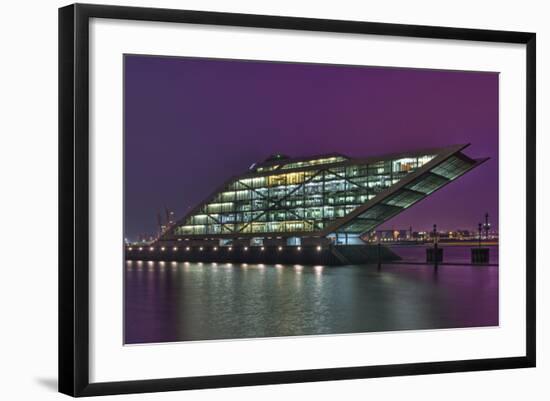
308	195
408	195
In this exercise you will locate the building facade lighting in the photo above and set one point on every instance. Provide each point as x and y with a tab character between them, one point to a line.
329	196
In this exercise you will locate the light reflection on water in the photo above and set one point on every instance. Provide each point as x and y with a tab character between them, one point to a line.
196	301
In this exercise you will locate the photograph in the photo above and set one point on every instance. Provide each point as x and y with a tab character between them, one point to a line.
271	199
281	200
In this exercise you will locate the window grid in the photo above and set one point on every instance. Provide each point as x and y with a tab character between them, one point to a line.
297	200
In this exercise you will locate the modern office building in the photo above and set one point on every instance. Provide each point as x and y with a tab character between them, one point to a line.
317	200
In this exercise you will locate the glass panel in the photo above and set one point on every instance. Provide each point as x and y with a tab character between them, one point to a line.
427	183
403	198
451	168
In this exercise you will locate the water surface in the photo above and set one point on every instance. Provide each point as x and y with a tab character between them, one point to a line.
173	301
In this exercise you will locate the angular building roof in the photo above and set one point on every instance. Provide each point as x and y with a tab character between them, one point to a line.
322	195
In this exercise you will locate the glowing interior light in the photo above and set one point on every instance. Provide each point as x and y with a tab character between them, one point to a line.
262	248
186	248
175	248
299	248
130	248
215	248
200	249
152	249
162	248
319	248
246	248
230	248
140	248
280	248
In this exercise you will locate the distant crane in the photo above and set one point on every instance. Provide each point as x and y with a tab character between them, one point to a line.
164	226
169	217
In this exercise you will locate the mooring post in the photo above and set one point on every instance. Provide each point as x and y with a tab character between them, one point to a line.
479	235
378	253
487	226
435	246
481	255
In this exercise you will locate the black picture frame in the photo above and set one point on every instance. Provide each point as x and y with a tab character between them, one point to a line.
74	200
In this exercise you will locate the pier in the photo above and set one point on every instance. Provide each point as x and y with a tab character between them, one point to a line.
329	255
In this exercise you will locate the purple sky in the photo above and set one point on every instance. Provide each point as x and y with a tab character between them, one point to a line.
192	123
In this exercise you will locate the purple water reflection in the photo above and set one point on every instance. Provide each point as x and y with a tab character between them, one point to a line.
169	301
